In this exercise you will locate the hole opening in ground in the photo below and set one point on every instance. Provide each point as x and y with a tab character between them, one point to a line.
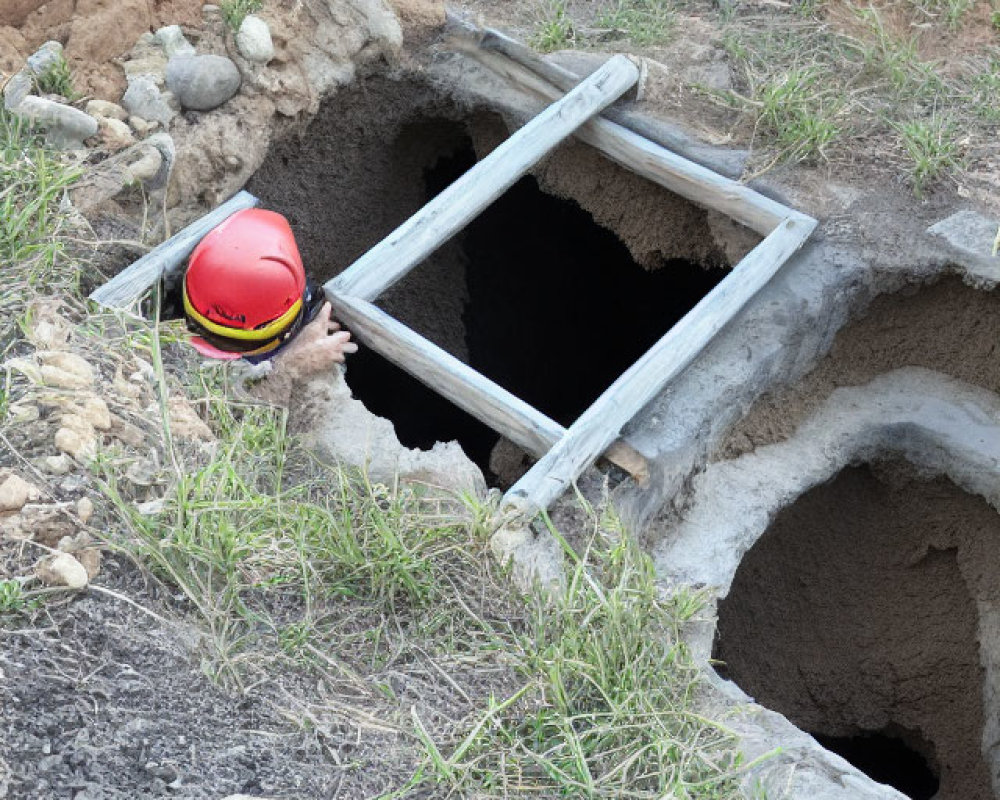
534	294
889	759
856	616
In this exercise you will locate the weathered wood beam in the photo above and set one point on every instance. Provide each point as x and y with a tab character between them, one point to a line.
461	34
648	159
599	425
130	284
461	202
485	400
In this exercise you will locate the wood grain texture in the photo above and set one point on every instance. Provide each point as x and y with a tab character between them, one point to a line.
600	424
130	284
487	401
461	202
692	181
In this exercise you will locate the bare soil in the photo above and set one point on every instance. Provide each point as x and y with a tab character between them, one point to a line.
857	612
102	702
946	326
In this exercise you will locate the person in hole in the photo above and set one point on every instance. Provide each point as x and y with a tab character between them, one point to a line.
246	295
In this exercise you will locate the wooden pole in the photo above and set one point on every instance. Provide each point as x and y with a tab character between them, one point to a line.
461	202
648	159
487	401
600	424
129	284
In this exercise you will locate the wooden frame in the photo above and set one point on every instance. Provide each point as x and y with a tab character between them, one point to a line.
563	453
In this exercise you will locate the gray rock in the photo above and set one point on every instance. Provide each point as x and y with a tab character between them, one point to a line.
202	82
45	57
969	231
174	44
66	127
164	144
142	126
17	88
254	40
115	134
153	65
144	99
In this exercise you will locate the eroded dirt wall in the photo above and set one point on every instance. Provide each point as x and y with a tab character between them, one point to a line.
355	174
857	611
655	224
946	326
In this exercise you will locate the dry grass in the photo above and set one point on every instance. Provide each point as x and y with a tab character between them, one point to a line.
907	87
33	231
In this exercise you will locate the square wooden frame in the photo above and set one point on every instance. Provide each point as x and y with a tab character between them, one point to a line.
564	453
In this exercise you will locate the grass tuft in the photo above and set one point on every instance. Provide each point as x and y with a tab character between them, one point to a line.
57	79
643	22
554	28
11	596
235	11
33	180
262	544
797	111
605	709
932	148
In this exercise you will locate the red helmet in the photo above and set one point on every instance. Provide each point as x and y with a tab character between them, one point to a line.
245	285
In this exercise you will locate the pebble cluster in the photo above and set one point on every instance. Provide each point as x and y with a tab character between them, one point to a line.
165	74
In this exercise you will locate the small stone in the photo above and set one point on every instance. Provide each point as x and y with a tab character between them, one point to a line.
58	465
126	432
65	127
174	44
969	231
95	411
63	570
24	412
115	134
91	561
144	472
141	126
143	98
75	542
75	421
27	367
145	168
17	88
144	372
254	40
84	509
49	334
153	65
151	507
14	493
45	57
185	422
202	82
66	370
76	444
103	108
60	378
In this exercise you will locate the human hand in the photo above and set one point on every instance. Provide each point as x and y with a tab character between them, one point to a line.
318	346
